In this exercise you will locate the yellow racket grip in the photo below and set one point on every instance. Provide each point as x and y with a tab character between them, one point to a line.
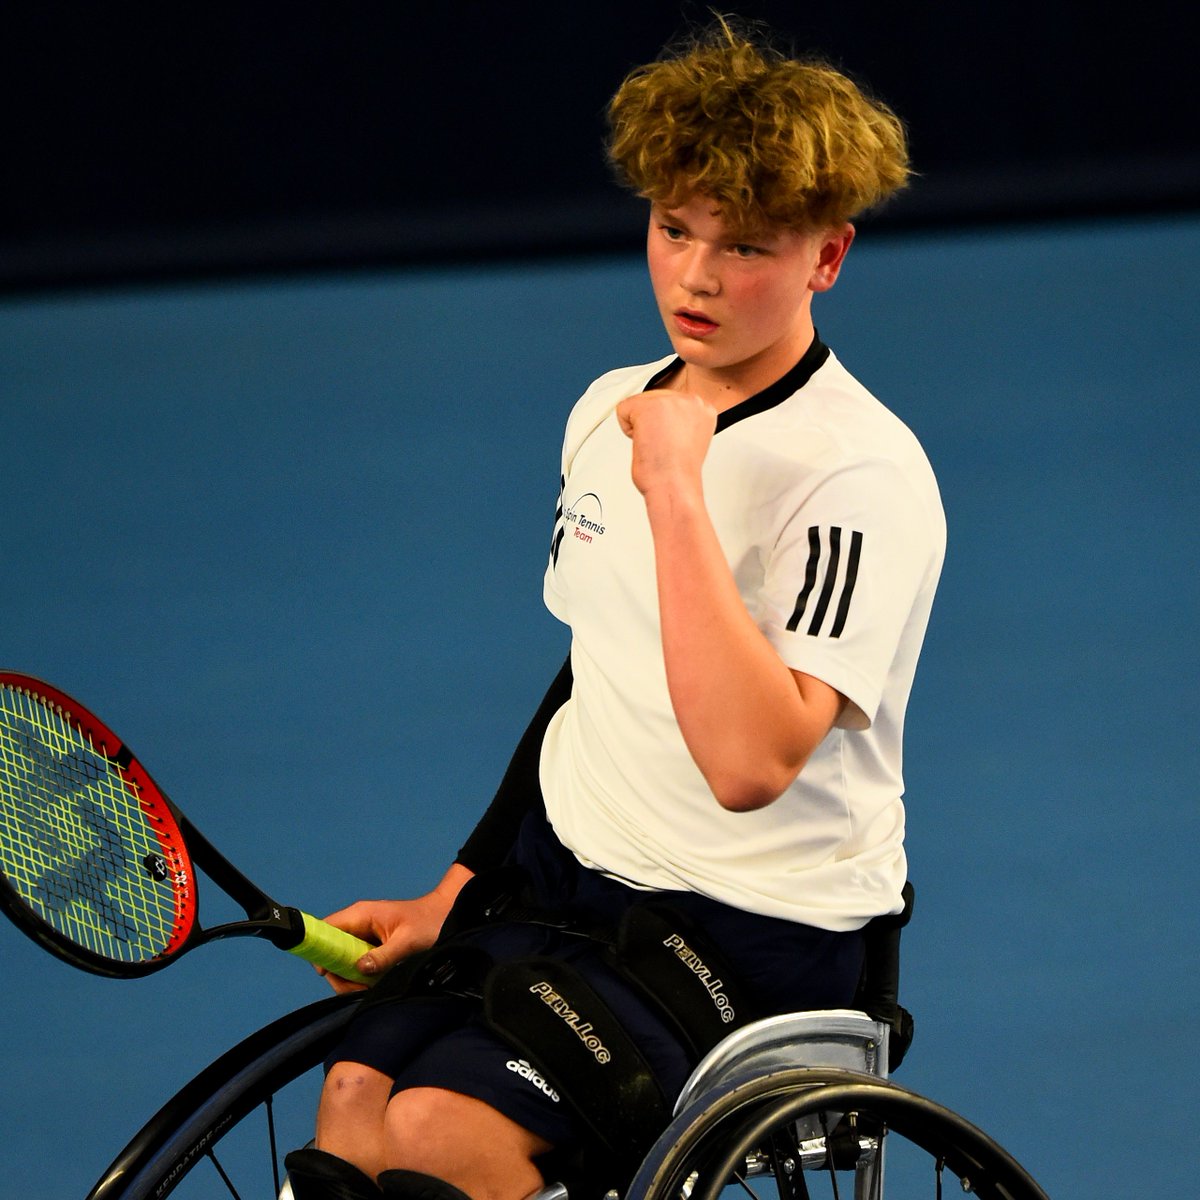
332	948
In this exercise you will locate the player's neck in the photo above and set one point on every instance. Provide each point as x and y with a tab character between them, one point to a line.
725	387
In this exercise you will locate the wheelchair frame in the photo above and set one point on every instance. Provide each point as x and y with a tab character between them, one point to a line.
789	1097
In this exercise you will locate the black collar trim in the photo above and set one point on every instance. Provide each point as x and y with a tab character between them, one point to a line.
813	360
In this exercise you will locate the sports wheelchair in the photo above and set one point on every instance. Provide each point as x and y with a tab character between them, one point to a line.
797	1102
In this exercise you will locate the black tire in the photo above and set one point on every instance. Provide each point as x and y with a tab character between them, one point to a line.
188	1127
712	1139
709	1139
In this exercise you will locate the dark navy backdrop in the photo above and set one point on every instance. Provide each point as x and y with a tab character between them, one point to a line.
287	538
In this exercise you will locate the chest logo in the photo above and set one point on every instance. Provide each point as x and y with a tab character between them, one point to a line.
587	515
581	518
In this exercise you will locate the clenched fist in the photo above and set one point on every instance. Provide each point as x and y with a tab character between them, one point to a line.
671	432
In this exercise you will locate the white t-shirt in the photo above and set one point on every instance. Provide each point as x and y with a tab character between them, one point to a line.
829	516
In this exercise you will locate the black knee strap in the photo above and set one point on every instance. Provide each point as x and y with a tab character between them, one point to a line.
545	1008
317	1175
415	1185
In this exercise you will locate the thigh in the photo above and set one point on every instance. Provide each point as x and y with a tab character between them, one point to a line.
474	1061
388	1036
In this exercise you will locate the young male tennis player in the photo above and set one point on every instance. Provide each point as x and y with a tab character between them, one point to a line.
746	548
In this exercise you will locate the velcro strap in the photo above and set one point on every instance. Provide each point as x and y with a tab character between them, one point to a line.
500	894
546	1009
483	898
458	970
677	968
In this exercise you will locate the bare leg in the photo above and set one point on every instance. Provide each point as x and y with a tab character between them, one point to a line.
428	1129
350	1117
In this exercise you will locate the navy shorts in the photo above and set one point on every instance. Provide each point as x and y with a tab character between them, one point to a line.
443	1042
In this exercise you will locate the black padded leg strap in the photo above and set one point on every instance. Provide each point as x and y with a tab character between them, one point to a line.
548	1011
676	967
317	1175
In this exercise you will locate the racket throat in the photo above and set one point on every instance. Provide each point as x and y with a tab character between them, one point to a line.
276	923
283	927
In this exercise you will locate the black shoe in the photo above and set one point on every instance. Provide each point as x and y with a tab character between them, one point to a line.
317	1175
413	1185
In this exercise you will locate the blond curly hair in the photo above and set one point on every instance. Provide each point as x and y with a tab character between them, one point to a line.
772	140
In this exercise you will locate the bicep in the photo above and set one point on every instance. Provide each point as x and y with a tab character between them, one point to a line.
821	706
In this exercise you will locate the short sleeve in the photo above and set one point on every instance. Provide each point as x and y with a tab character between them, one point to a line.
843	578
555	601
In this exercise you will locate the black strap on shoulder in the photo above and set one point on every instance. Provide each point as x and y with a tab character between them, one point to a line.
668	958
546	1009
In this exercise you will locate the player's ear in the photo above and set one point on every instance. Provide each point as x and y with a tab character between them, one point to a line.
833	248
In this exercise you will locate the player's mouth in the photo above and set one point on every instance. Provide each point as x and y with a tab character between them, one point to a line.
694	324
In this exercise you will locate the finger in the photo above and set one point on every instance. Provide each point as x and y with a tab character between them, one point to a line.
362	918
352	919
344	986
339	985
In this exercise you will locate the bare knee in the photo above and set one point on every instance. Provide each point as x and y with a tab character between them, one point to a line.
350	1116
418	1119
463	1141
351	1089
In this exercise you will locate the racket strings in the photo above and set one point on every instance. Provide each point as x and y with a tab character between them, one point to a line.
75	843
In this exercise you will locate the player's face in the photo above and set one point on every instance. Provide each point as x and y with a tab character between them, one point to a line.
737	311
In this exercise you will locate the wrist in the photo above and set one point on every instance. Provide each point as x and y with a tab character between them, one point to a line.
673	499
453	882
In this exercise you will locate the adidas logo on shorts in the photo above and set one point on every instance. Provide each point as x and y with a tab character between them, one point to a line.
522	1068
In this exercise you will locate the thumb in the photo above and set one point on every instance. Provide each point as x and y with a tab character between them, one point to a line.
381	958
625	416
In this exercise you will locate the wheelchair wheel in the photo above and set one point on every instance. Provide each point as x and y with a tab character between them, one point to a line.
236	1101
811	1131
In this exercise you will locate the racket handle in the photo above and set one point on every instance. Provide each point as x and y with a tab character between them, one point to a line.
332	948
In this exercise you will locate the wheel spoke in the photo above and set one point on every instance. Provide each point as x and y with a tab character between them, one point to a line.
216	1162
833	1183
270	1107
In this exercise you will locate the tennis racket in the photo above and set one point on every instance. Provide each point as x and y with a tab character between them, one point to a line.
99	867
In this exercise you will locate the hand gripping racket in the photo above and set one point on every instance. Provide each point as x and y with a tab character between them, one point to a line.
99	867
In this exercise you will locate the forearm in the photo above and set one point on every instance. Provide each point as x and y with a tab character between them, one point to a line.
453	882
744	715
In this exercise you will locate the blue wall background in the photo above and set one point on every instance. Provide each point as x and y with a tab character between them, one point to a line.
287	538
